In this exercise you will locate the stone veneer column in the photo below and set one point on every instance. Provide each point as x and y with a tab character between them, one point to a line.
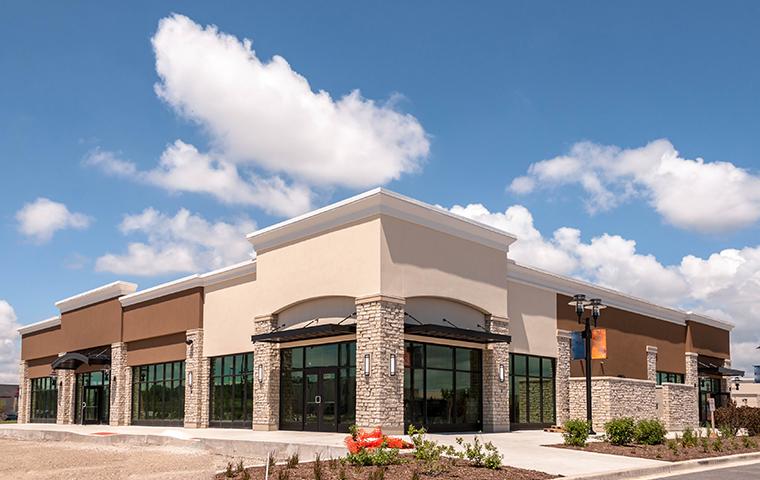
196	391
651	363
692	378
562	376
380	334
495	391
266	393
120	387
24	393
66	385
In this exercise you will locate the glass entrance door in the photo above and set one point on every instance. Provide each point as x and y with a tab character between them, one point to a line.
320	399
92	408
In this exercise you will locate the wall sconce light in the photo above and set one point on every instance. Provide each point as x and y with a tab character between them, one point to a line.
190	380
366	364
261	373
393	364
501	373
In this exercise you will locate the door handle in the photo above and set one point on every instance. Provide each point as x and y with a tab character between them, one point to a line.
318	399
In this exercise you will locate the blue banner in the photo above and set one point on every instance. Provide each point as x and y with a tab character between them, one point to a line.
757	373
578	346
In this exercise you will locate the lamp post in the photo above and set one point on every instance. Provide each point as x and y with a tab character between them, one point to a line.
595	305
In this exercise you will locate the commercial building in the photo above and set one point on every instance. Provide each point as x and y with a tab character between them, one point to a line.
377	310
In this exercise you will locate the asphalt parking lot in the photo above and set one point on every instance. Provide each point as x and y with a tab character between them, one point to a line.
741	472
68	460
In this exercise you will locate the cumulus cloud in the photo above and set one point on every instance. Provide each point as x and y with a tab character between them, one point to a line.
274	140
40	219
9	344
184	242
690	194
725	285
265	113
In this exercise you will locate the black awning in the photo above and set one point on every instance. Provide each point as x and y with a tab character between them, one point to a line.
452	333
709	368
73	360
305	333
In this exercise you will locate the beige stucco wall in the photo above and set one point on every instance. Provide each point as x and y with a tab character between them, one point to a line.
433	310
342	262
748	391
419	261
532	320
323	310
228	313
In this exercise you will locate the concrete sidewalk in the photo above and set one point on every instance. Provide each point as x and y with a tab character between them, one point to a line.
523	449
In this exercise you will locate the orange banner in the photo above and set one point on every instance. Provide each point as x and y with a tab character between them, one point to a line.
599	344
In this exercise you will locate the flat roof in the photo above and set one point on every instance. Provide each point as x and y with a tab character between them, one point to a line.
570	286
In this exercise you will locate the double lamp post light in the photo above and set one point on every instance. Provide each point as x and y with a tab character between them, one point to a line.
595	306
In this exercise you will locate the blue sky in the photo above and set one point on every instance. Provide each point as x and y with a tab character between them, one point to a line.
457	100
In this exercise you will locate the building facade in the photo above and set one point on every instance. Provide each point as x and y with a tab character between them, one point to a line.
377	311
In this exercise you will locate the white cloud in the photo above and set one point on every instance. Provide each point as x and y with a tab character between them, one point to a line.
109	162
263	113
725	285
40	219
9	344
690	194
181	243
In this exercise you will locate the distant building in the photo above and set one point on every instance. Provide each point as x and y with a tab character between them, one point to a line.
8	399
748	393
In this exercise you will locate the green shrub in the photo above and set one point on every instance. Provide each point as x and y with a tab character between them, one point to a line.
728	419
673	446
620	430
379	457
717	444
576	433
317	467
293	460
229	472
650	432
481	455
705	443
747	442
430	453
750	420
689	439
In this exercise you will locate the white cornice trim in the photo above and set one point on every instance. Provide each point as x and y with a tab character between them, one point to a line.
105	292
373	203
41	325
569	286
192	281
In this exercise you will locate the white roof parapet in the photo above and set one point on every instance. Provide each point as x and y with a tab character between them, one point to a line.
41	325
379	202
614	298
191	281
105	292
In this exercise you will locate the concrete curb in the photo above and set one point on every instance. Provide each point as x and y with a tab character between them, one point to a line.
674	468
234	448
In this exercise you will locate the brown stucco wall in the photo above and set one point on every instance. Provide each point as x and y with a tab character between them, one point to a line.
44	343
40	367
167	315
168	348
707	340
628	335
90	326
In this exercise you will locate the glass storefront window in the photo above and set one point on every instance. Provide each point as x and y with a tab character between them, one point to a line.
668	377
44	397
318	387
231	396
442	387
532	390
158	394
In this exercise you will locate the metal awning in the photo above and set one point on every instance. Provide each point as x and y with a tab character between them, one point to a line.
453	333
73	360
305	333
709	368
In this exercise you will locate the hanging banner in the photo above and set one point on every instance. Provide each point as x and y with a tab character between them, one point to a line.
577	346
599	344
757	373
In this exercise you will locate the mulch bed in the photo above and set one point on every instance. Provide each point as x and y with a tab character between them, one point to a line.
403	471
730	446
